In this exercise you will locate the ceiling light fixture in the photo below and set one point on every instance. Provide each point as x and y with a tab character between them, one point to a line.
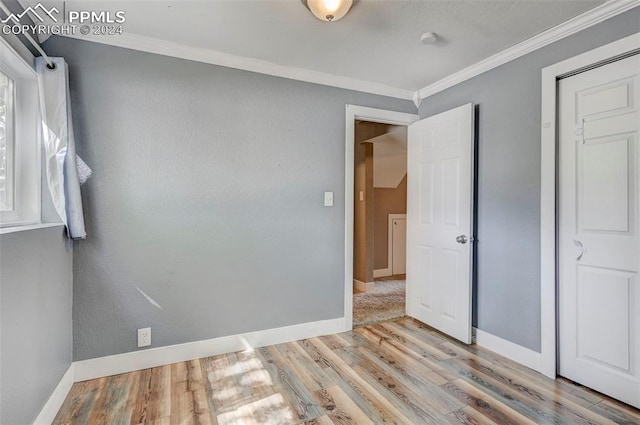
328	10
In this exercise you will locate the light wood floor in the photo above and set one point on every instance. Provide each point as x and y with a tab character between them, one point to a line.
398	372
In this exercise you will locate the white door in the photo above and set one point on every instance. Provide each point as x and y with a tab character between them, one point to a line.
399	246
439	221
599	297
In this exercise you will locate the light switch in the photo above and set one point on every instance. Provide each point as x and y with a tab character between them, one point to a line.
328	199
362	195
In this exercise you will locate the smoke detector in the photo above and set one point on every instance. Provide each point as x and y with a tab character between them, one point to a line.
429	38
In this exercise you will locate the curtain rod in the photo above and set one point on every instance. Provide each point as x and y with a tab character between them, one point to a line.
35	44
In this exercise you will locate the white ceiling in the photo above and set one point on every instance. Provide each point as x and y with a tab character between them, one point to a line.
378	41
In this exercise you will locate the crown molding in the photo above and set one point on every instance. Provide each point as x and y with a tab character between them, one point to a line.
176	50
166	48
565	29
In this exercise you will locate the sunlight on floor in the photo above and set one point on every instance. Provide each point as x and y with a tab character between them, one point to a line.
246	387
269	410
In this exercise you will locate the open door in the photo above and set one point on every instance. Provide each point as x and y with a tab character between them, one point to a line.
440	221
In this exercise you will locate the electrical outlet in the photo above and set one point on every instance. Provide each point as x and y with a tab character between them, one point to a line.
144	337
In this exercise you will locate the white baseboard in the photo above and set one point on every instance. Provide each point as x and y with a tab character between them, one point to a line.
52	406
138	360
362	286
517	353
382	272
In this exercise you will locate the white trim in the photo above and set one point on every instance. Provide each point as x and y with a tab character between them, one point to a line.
563	30
390	219
508	349
548	254
55	401
362	286
167	48
15	229
16	60
353	113
129	362
18	46
144	359
382	272
176	50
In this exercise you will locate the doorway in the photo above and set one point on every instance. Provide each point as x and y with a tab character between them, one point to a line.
353	114
380	206
439	268
440	221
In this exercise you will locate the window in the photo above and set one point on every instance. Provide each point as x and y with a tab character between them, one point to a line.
19	140
7	100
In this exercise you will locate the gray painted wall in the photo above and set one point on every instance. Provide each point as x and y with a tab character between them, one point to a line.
35	320
508	282
35	304
207	196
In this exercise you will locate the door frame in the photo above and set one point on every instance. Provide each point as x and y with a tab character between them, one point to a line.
353	113
547	359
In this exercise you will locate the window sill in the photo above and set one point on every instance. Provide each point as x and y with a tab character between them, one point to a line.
15	229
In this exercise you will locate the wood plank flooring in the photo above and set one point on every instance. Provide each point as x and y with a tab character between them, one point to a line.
400	372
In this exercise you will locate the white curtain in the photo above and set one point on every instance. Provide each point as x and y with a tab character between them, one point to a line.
59	145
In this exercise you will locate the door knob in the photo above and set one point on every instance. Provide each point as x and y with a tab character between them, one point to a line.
461	239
